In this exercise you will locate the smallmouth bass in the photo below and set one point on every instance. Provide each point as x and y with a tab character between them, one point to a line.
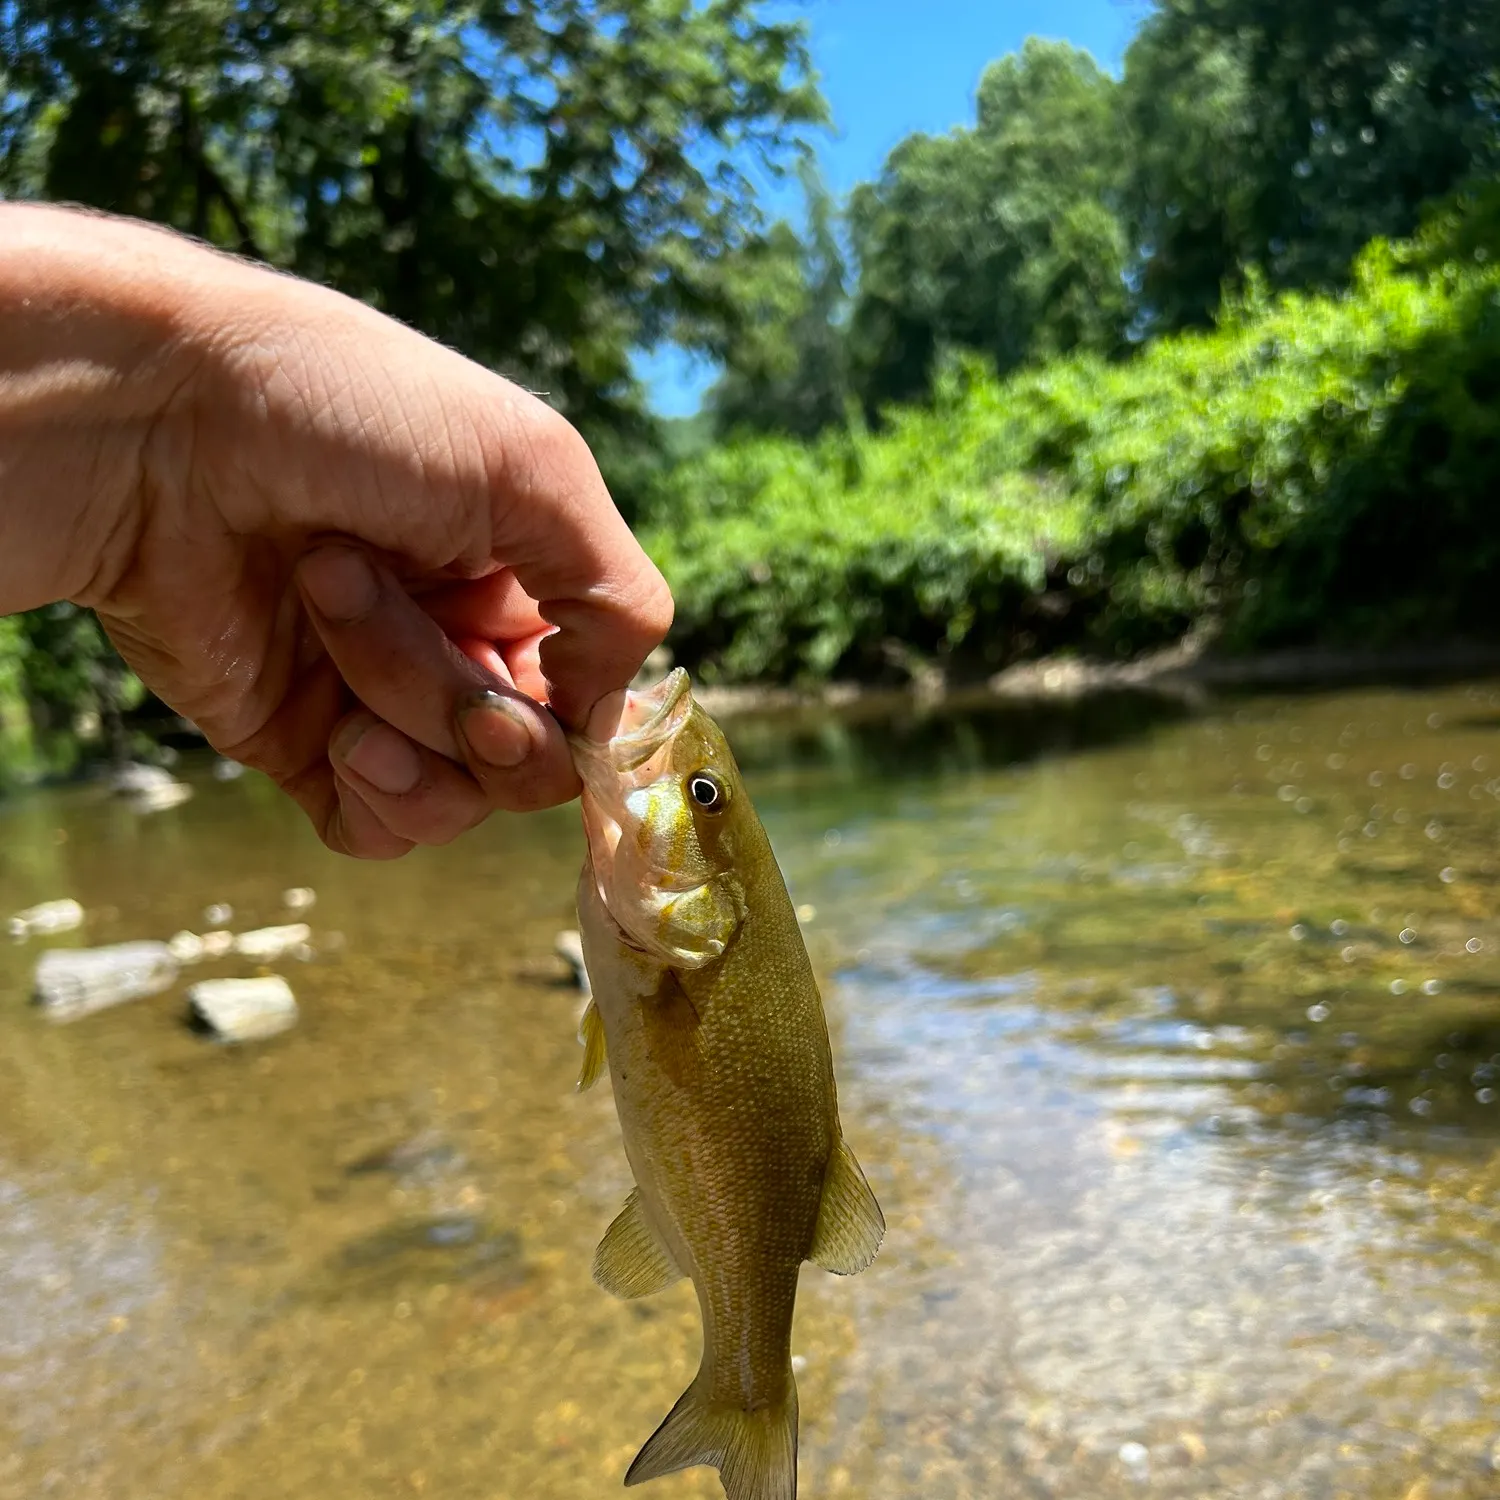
707	1015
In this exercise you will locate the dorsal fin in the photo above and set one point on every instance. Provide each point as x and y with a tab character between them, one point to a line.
850	1224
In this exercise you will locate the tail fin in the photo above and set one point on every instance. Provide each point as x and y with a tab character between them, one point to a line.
755	1452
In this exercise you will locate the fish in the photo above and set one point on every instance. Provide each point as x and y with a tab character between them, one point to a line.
706	1014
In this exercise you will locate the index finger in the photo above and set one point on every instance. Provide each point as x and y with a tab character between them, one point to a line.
572	552
447	468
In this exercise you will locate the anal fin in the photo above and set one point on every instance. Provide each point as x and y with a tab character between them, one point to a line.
850	1223
631	1260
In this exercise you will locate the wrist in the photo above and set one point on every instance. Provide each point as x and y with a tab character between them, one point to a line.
98	349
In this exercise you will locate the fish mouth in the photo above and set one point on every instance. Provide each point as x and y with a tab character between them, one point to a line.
626	729
624	746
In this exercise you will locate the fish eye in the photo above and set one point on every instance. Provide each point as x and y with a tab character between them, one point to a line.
706	790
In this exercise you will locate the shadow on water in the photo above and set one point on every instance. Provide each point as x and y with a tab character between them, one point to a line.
948	737
1170	1040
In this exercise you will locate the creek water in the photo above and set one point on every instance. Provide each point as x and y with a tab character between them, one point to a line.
1168	1035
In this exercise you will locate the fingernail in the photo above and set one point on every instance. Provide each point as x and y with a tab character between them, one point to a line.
382	756
340	582
497	730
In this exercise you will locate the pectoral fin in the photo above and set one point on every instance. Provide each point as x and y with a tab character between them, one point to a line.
591	1034
631	1260
850	1224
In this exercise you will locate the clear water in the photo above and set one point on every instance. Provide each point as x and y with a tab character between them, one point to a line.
1169	1039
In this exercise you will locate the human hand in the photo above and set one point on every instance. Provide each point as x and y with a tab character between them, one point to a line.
335	546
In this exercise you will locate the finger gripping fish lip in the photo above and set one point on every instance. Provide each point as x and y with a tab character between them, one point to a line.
626	730
666	707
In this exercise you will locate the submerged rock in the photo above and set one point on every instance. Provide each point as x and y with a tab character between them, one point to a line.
266	943
186	947
134	778
159	801
190	948
243	1010
423	1252
217	944
50	916
419	1155
76	982
569	947
148	788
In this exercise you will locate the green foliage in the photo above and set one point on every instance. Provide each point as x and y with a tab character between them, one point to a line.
70	683
852	554
15	724
1186	98
1003	238
548	184
786	358
1286	135
542	184
1318	468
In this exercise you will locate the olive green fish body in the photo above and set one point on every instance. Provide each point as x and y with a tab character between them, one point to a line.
719	1059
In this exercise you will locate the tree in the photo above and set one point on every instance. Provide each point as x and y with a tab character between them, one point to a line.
540	183
1285	135
1193	171
1004	237
785	361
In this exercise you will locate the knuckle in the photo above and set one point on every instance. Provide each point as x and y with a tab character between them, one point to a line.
558	448
656	607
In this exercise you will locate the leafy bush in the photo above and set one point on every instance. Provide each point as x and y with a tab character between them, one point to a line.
15	729
795	560
62	685
1316	468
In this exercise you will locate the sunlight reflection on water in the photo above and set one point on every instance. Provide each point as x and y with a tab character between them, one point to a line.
1179	1094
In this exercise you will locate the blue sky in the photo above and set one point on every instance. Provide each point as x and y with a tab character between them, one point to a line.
889	67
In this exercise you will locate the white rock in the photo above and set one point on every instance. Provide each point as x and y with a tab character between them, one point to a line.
162	798
299	898
228	770
568	946
50	916
265	943
72	982
186	947
243	1010
217	944
133	779
221	914
148	789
